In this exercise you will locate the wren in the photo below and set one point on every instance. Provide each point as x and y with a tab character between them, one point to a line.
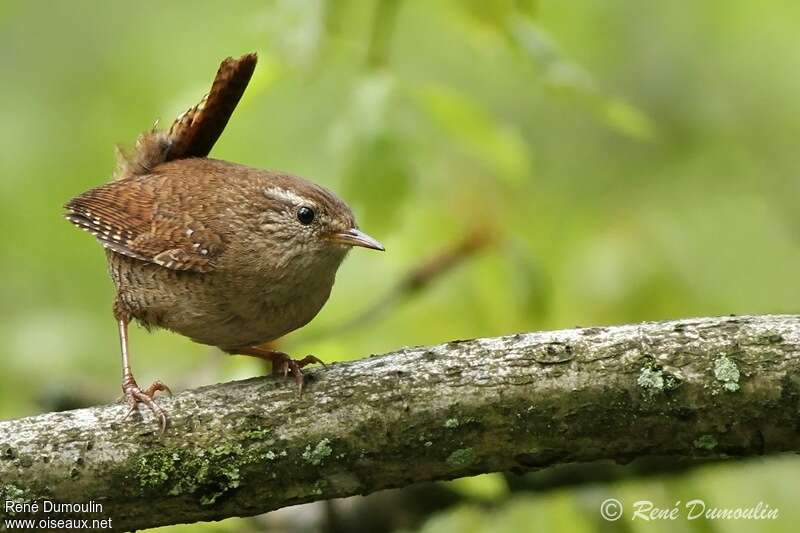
227	255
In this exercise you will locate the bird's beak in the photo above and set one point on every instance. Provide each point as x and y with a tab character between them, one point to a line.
356	237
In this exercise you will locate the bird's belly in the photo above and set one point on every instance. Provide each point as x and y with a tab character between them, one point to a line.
209	309
250	323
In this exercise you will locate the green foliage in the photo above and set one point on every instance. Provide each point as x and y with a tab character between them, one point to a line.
568	511
379	169
477	133
632	161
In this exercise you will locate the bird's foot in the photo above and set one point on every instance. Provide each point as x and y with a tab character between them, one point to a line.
283	364
134	396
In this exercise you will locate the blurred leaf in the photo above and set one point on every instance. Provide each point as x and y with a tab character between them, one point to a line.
334	21
376	174
529	283
567	78
493	13
365	117
383	26
529	8
487	487
497	144
497	12
295	29
628	119
269	71
538	44
378	182
554	512
462	519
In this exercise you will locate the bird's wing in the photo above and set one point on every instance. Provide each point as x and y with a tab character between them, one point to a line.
122	215
138	214
194	133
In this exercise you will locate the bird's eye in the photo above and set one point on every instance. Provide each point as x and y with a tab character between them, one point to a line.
305	215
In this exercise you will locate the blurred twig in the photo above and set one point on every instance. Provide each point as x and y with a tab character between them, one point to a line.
419	278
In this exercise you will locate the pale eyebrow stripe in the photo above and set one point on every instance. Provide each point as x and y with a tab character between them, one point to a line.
284	195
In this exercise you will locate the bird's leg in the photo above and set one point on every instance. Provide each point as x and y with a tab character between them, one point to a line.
133	394
281	362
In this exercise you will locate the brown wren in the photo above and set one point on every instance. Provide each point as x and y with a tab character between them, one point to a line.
227	255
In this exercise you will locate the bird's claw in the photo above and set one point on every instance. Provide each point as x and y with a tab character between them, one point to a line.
285	364
134	396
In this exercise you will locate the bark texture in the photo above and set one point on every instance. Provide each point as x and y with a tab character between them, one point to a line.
695	388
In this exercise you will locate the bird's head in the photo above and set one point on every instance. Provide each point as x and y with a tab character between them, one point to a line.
306	220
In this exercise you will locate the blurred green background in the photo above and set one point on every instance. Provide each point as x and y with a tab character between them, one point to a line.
628	160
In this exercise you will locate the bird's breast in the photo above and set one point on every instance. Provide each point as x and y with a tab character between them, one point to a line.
227	308
262	307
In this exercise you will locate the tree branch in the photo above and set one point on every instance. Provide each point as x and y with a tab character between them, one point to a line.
695	388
